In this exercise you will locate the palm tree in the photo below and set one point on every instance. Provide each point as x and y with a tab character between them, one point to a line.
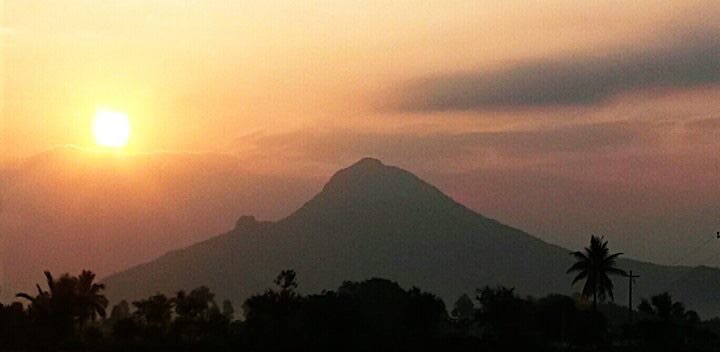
68	300
91	302
42	295
40	303
594	265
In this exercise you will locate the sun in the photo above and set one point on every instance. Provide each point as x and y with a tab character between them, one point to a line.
111	129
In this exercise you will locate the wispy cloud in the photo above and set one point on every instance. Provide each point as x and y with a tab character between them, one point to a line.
709	125
343	146
569	81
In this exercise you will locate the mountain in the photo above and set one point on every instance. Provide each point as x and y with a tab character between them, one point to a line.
373	220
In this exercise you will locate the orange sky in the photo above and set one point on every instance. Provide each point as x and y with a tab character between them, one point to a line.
559	117
197	75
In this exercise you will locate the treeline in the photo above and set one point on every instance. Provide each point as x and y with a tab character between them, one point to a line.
372	315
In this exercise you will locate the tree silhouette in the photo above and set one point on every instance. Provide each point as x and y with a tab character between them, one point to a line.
594	265
155	310
228	310
194	305
91	303
372	315
666	322
287	283
197	316
498	312
662	306
61	311
14	327
463	312
270	317
68	300
120	311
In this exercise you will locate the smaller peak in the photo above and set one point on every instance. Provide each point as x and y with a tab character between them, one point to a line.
368	162
246	221
249	223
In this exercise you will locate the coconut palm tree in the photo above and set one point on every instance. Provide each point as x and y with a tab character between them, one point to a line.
40	303
68	300
594	265
91	302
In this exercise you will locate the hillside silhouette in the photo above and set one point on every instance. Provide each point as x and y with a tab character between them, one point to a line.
373	220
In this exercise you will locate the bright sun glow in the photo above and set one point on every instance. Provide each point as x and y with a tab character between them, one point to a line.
111	129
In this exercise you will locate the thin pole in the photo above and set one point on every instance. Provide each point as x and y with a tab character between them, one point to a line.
631	280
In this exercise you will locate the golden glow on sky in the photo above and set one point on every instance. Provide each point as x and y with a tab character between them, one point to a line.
198	75
224	93
111	129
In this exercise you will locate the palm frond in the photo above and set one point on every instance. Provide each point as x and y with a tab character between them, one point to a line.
607	286
26	296
50	281
579	277
578	266
580	255
615	271
611	258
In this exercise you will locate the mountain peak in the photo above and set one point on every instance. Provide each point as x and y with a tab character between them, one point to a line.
367	162
369	186
368	174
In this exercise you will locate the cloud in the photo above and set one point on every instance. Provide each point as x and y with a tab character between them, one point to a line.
708	125
588	138
569	81
703	132
343	146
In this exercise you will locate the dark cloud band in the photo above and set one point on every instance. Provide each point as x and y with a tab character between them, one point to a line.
569	81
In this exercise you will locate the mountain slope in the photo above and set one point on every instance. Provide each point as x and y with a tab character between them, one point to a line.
375	220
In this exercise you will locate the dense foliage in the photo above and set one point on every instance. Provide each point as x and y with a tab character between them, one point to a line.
372	315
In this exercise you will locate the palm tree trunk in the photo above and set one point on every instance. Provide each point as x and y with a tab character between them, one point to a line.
595	289
595	301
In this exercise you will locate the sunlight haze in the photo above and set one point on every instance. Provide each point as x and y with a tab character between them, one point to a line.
553	116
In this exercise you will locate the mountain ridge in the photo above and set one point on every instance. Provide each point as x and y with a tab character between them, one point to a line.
375	220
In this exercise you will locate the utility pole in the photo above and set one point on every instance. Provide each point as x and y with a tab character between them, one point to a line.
631	281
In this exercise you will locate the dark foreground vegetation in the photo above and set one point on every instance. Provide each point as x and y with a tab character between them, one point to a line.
373	315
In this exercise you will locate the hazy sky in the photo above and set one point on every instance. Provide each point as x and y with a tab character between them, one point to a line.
563	118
